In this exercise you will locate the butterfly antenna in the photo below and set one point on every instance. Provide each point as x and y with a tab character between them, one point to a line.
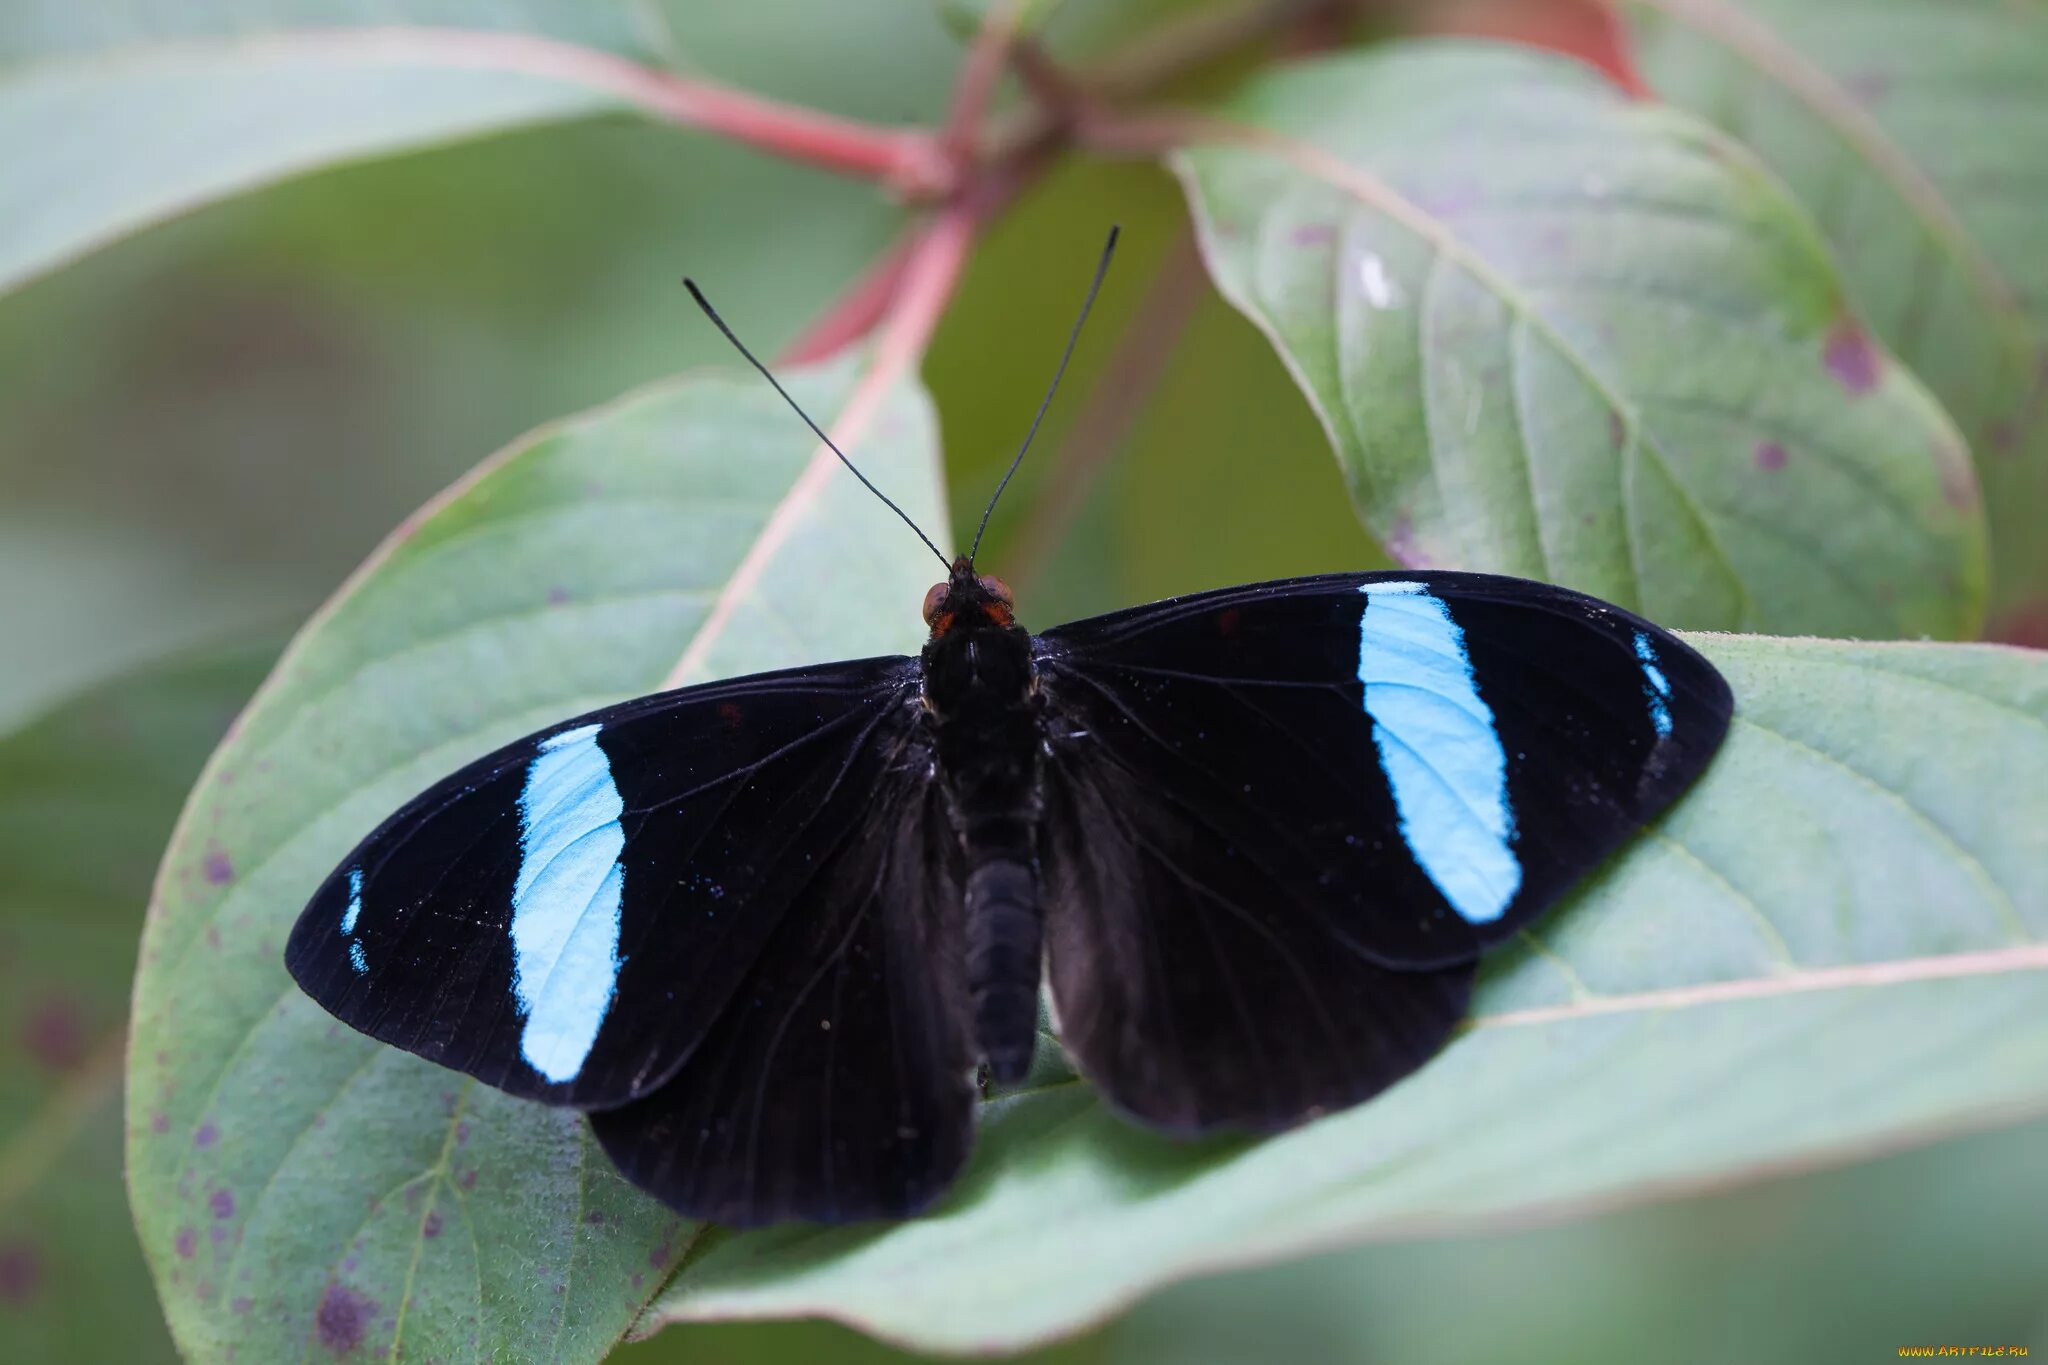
797	408
1094	287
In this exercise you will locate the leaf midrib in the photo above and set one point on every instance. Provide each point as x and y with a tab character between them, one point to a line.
2014	958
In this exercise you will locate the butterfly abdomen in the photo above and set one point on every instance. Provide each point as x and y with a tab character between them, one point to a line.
996	803
1005	931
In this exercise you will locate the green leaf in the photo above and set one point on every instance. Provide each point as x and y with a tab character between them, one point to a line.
1554	332
1916	132
1940	1244
116	123
1837	943
87	797
300	1189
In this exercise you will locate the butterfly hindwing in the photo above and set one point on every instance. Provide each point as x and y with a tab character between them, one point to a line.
836	1085
1196	998
567	918
1285	819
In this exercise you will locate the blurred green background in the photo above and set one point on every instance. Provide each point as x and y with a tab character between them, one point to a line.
202	429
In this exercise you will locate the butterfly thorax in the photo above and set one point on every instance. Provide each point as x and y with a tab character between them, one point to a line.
981	696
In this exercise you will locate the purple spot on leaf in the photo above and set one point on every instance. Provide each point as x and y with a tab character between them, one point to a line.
1401	540
219	871
2025	624
185	1243
431	1227
1869	88
1850	357
222	1202
595	1218
1958	479
343	1319
1313	234
21	1273
462	1132
657	1259
54	1035
1448	201
1770	456
467	1179
557	596
159	1122
207	1135
241	1305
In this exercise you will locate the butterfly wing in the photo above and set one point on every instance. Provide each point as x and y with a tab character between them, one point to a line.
1192	995
836	1086
569	917
1283	820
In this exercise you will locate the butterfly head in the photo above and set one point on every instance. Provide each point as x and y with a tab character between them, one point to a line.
968	600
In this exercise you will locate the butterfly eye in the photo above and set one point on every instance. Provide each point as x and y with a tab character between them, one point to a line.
933	600
997	588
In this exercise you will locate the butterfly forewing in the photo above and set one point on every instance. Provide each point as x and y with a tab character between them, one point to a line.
566	918
1285	819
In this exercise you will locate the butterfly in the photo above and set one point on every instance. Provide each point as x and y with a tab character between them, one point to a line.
769	932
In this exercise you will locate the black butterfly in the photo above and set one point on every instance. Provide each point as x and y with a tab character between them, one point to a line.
1256	839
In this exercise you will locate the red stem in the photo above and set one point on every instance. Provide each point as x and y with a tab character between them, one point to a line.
908	159
855	312
932	269
980	73
1587	29
1133	372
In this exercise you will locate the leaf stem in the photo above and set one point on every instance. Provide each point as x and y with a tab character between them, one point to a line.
1134	370
927	281
979	76
910	160
1165	55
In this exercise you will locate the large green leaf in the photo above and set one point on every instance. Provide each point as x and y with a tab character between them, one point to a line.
1941	1244
1916	132
1837	943
87	796
111	125
1554	332
114	121
301	1190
